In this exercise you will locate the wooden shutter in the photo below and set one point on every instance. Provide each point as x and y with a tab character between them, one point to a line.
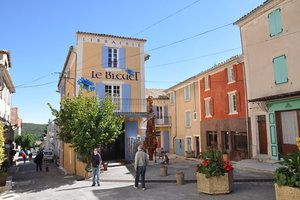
126	98
209	81
280	69
104	56
275	23
166	115
226	75
100	90
235	73
238	101
227	104
122	58
211	106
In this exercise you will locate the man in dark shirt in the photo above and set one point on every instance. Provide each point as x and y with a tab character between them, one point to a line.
96	160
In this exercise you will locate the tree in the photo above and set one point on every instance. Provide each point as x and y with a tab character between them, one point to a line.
86	123
2	155
26	140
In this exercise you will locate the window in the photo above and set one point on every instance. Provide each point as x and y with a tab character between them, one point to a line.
225	141
172	97
114	92
195	115
113	57
275	24
207	107
206	83
239	141
212	139
188	119
189	144
187	94
280	69
159	112
232	103
230	74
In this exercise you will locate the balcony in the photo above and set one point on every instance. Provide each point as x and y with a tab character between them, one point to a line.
130	107
163	122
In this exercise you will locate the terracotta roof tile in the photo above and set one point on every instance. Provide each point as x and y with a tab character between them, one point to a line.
113	36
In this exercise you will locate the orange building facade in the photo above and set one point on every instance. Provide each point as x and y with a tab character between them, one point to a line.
223	109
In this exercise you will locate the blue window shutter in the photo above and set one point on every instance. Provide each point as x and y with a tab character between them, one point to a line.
100	90
155	110
275	23
122	58
280	69
126	98
105	56
166	115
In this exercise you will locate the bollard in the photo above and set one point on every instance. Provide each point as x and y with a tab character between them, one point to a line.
163	170
179	178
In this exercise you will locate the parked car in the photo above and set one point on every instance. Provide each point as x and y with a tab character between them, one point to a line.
48	155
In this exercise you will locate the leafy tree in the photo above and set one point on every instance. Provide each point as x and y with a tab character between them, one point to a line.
86	123
26	140
37	129
2	155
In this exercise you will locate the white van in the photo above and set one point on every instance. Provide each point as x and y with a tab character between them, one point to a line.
48	155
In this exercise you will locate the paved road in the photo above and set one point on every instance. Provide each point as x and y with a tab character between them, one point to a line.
31	185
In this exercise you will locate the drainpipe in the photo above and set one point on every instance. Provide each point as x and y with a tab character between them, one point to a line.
246	105
75	78
175	121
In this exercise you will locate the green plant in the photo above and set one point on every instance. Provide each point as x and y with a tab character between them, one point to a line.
2	155
86	123
289	173
213	164
3	174
26	140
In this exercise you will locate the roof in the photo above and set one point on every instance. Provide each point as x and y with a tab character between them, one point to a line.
276	97
253	11
219	65
156	93
111	36
65	65
8	55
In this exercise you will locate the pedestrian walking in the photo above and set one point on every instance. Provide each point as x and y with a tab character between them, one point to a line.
30	156
24	156
38	160
96	161
140	164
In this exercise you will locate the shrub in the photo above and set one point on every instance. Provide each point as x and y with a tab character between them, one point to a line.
213	164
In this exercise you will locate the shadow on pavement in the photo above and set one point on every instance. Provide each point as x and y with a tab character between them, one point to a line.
27	179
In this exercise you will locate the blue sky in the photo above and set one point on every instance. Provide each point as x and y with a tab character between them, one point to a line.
39	33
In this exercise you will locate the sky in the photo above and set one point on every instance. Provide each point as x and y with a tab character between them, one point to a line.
38	34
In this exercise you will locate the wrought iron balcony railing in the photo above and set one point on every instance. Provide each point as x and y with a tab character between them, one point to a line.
165	120
123	105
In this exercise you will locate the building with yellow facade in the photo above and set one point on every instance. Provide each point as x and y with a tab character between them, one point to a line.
115	65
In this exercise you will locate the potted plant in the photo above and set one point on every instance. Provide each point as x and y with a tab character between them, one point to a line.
287	177
214	174
3	176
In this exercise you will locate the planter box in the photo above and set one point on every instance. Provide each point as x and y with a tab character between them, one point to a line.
216	184
286	192
3	180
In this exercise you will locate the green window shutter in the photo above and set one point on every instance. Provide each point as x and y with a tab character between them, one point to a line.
280	69
275	23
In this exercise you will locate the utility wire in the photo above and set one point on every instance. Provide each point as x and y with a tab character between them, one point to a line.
38	85
167	17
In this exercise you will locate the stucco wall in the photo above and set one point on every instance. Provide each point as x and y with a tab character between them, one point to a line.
259	50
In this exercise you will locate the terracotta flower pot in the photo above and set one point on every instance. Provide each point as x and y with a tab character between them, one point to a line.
286	192
215	184
163	170
179	178
3	180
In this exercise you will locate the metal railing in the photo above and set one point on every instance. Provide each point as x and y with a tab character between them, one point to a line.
165	120
127	105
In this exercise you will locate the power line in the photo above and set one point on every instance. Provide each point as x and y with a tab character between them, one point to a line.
167	17
38	85
195	58
34	80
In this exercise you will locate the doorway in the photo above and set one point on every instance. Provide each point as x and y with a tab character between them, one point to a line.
197	145
262	134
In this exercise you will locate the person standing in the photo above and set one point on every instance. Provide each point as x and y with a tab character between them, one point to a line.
24	156
96	160
140	164
38	160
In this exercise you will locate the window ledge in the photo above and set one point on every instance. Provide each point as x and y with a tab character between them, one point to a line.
113	69
234	113
231	82
187	100
206	89
208	116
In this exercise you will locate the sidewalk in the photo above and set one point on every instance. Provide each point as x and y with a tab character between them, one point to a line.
245	171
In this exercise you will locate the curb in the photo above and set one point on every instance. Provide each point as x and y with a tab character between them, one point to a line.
244	180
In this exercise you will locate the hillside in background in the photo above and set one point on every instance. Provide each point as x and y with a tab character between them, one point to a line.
36	129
